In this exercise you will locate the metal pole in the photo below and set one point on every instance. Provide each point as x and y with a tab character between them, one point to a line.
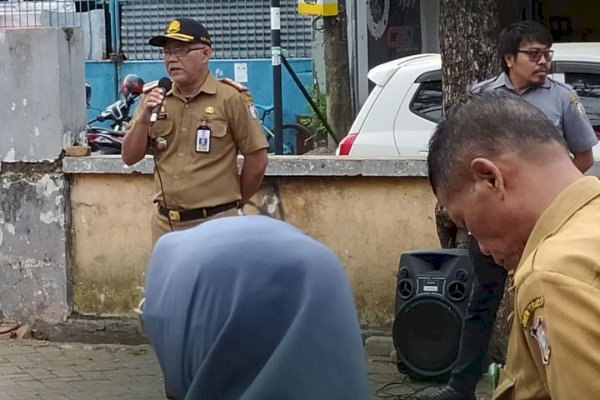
276	61
312	103
113	9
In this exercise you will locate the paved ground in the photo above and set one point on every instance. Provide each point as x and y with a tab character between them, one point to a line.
55	371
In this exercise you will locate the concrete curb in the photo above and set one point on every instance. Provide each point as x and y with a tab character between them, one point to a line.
379	346
127	331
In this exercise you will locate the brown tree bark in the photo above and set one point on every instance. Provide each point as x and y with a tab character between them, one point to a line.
468	43
337	74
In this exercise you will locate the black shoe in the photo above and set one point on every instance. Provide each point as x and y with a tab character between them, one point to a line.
446	393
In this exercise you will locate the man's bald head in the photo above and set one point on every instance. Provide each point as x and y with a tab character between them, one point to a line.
489	125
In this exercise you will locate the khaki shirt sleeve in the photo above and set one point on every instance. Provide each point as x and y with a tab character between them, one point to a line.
136	114
560	317
243	121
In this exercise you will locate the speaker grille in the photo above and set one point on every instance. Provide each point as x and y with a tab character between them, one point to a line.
427	335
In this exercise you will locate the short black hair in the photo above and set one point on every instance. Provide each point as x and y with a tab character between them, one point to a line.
513	35
486	125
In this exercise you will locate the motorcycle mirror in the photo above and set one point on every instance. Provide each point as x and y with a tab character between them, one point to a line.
132	85
117	111
88	94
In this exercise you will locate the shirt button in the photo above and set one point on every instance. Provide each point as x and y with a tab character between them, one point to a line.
184	129
180	154
187	106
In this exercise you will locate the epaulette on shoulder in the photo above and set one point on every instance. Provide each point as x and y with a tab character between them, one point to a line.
237	85
562	85
149	86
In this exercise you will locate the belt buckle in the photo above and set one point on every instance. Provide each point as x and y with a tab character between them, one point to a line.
174	215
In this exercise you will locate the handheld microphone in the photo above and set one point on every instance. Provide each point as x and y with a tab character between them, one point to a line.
165	84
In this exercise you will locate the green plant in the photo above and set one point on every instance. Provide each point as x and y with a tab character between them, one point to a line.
312	121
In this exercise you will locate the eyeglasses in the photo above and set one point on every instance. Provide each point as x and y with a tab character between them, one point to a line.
536	54
179	52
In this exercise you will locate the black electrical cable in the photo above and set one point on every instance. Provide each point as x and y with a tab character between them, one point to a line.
384	391
162	189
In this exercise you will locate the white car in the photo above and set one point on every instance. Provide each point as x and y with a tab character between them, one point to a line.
403	108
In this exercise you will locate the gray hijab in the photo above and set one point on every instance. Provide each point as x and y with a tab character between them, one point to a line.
251	308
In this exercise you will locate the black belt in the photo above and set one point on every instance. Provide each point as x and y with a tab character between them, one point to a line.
197	213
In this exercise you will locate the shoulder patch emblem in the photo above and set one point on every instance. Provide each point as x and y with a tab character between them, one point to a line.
538	331
237	85
534	304
574	98
253	112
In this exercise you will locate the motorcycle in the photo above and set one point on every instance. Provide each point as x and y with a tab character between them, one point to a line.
110	140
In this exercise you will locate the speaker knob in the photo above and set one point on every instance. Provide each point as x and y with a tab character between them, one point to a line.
405	289
461	275
404	273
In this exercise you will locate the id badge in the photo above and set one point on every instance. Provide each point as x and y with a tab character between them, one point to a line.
203	139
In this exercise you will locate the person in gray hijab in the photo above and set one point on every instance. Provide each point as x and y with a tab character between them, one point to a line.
251	308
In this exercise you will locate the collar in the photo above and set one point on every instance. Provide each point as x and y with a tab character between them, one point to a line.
209	87
568	202
504	80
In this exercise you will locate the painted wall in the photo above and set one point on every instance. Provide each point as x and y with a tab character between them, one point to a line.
33	246
101	75
367	221
42	106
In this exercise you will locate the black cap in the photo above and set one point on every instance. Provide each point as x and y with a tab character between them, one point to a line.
185	30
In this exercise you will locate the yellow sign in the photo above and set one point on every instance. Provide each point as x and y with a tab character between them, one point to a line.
174	26
322	8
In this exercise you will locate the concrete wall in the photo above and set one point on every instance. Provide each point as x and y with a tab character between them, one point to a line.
92	24
367	212
75	235
33	262
42	106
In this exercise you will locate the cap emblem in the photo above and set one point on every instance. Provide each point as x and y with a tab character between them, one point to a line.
174	26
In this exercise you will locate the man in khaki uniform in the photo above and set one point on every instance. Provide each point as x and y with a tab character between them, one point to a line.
498	166
526	55
202	124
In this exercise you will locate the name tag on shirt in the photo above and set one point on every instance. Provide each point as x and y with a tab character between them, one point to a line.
203	139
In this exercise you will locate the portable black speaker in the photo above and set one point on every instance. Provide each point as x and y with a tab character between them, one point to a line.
432	294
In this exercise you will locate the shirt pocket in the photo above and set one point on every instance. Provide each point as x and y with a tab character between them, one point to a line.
220	142
161	137
162	128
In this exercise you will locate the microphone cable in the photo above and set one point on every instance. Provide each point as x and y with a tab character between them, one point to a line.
160	181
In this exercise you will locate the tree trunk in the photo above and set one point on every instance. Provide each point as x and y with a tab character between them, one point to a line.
337	75
468	42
